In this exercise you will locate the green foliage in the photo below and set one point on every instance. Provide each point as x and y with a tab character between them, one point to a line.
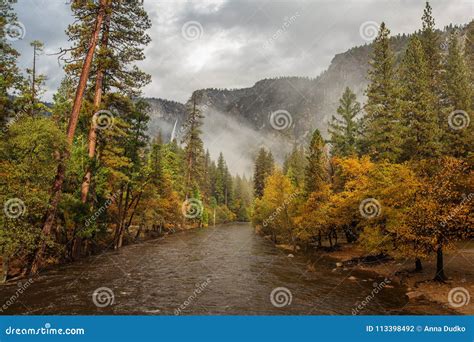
29	153
382	128
10	77
264	166
294	166
316	168
458	136
418	105
344	130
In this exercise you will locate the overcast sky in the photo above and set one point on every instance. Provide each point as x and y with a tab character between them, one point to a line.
234	43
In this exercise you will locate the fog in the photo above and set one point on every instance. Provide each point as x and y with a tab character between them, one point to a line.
240	143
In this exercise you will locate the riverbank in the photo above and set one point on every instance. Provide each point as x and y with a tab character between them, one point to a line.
420	285
133	236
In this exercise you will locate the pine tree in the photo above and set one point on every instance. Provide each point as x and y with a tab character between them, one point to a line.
156	161
294	166
418	105
316	173
344	130
229	189
429	38
458	92
33	87
264	165
469	50
10	77
381	126
123	39
194	150
206	185
71	129
174	165
220	180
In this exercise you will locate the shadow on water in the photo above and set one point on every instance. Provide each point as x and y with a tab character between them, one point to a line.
222	270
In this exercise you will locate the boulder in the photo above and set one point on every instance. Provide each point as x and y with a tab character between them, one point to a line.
414	295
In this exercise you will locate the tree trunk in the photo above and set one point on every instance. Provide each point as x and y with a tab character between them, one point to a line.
440	276
320	242
118	240
92	138
418	265
330	240
4	274
71	129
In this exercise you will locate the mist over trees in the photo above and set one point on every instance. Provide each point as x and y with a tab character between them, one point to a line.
87	177
396	173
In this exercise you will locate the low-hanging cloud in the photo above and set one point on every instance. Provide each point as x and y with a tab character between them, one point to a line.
232	50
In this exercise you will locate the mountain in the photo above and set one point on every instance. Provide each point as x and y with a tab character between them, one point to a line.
239	121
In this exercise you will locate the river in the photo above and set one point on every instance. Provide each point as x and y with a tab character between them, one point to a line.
223	270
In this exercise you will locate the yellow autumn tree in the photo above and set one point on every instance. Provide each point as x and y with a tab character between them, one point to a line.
274	213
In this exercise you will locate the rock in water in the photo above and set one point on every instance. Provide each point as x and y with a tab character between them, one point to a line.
291	255
339	264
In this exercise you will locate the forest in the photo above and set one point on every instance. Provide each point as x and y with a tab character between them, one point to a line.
80	176
398	181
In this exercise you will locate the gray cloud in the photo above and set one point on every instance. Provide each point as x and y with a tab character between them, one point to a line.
242	41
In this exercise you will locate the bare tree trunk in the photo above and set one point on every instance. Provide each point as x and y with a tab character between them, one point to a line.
118	239
33	82
92	138
440	276
71	129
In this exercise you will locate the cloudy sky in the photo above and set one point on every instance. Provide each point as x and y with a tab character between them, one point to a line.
234	43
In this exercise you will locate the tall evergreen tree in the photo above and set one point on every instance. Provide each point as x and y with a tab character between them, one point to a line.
316	173
123	38
32	88
10	77
294	166
430	38
344	130
264	165
381	125
194	150
418	105
458	137
469	50
92	40
220	180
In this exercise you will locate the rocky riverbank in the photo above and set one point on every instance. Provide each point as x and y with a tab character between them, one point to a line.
454	294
